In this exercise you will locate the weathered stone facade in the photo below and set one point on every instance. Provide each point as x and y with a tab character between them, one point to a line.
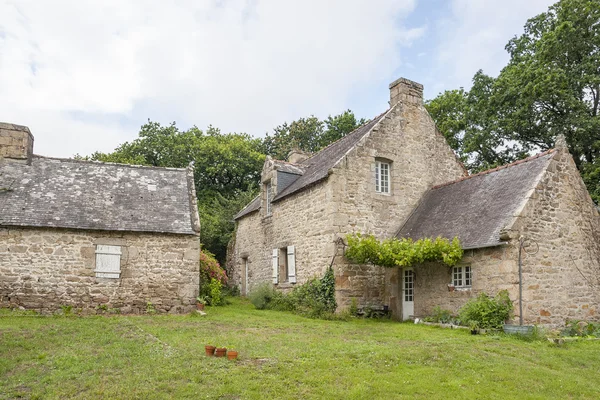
44	268
560	261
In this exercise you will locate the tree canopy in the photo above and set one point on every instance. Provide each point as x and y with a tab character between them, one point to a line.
550	86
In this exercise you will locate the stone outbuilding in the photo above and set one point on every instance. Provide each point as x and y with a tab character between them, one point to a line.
93	235
397	176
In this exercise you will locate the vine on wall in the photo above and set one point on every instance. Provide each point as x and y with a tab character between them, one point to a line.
404	252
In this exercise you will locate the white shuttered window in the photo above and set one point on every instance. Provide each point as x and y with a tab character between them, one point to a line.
291	260
108	261
275	265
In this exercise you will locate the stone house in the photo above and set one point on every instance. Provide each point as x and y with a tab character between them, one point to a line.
397	176
94	235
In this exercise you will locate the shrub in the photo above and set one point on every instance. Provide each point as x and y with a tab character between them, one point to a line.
212	279
315	298
263	295
581	329
439	315
487	312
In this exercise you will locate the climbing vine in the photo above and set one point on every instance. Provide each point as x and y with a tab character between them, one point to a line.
404	252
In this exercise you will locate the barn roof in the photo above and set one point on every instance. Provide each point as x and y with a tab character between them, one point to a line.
65	193
476	208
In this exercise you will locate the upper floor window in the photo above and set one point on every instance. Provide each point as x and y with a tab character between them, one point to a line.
382	177
268	191
461	276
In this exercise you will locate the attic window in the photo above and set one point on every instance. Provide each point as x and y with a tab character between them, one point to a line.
382	177
108	261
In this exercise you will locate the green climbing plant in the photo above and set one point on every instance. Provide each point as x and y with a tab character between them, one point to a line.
404	252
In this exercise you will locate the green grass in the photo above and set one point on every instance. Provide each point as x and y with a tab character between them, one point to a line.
281	356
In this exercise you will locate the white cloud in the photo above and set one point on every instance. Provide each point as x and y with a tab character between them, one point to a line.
473	36
73	71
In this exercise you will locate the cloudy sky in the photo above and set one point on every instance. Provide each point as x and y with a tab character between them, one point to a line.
84	75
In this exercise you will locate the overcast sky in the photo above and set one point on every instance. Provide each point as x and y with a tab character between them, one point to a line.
85	75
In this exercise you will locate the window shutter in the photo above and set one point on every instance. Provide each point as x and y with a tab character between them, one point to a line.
275	265
108	261
291	259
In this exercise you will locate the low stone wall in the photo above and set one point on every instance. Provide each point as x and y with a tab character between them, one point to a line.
44	269
363	284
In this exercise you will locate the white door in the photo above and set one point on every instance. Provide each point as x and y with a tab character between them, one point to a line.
408	293
245	277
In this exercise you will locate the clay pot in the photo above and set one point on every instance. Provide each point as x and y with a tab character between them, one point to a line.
200	306
232	355
451	288
210	350
220	351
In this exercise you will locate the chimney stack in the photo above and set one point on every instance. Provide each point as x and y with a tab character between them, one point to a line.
405	91
296	156
16	143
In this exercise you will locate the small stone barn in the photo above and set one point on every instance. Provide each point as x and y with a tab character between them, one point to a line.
397	176
94	235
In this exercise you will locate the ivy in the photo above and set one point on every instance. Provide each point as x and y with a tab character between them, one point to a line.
404	252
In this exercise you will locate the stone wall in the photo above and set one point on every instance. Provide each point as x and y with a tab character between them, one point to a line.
492	270
561	279
44	269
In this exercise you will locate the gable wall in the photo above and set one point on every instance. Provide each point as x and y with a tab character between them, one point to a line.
561	218
46	268
421	158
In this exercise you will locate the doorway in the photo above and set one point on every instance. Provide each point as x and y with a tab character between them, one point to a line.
408	293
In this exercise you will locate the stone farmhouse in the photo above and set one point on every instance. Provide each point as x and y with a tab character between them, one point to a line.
397	176
94	235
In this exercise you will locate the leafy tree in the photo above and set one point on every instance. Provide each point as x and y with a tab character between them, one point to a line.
550	86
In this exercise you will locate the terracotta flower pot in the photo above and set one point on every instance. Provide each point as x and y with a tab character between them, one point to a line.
451	288
200	306
210	350
232	355
220	351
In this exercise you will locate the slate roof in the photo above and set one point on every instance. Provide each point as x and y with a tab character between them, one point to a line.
476	208
251	207
316	168
66	193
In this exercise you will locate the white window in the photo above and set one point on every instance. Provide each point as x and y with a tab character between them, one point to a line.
268	190
461	276
108	261
382	177
284	265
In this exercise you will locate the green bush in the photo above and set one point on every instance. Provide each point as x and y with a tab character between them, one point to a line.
439	315
262	296
315	298
212	280
577	328
487	312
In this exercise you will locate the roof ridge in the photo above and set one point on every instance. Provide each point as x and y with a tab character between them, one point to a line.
501	167
345	136
73	160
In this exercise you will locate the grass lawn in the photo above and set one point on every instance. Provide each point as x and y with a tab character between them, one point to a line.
281	356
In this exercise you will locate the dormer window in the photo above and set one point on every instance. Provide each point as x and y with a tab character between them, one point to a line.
268	197
382	177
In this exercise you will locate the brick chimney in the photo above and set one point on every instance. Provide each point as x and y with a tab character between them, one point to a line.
16	143
296	156
405	91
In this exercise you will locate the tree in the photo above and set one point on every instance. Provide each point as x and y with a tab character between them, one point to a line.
550	86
